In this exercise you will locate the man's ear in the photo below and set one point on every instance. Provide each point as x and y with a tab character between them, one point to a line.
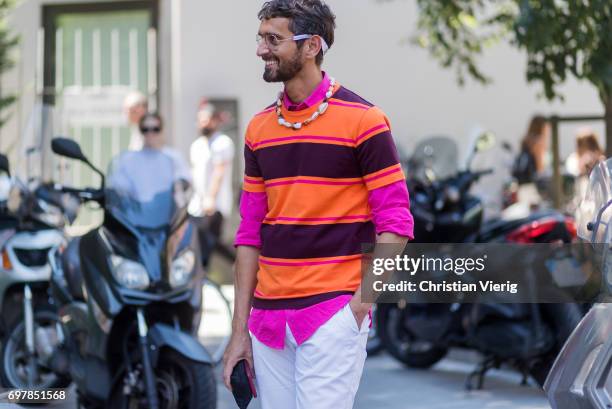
313	46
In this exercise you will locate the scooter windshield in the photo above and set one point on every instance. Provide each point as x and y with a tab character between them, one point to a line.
595	211
434	158
146	188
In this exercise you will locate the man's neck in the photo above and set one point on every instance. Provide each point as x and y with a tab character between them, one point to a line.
303	84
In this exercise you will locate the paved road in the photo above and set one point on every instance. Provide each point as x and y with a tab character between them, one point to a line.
387	384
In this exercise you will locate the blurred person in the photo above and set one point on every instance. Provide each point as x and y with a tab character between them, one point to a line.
135	106
153	168
309	201
211	156
580	163
588	152
531	160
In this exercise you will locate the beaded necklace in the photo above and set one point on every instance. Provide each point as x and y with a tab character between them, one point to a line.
320	111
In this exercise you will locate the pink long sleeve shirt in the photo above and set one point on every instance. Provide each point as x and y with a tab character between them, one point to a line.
390	213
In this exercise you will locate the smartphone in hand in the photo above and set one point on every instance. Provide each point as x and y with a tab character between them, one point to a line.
243	385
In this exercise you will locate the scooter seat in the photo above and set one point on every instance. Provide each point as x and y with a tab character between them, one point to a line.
71	265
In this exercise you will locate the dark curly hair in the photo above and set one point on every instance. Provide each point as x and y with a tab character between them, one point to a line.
306	17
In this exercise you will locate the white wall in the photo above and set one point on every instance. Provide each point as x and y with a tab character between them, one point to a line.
217	58
208	49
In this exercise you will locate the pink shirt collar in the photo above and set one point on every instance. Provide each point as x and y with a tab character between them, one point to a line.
317	96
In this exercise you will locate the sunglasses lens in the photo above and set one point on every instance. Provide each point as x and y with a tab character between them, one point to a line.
150	130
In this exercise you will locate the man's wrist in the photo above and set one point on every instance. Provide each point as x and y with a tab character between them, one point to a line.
358	306
240	326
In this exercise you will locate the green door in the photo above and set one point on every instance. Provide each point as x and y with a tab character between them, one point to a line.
95	54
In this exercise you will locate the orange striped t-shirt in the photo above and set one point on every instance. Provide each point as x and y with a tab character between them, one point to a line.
316	180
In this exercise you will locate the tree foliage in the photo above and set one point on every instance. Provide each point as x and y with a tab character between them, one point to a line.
561	38
7	42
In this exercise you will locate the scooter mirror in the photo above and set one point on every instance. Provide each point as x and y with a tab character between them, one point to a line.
68	148
4	164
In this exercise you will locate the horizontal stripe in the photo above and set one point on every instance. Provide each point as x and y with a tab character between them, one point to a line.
317	219
314	182
251	167
311	241
317	204
292	281
307	263
344	104
253	188
253	180
296	303
302	138
377	153
386	180
308	159
383	170
389	172
253	184
370	131
347	95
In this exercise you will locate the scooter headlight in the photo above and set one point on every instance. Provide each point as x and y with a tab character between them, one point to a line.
182	268
130	274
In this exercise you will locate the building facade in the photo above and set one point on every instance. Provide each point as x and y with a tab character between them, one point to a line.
77	59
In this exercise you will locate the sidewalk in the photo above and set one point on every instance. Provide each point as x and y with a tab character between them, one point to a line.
388	384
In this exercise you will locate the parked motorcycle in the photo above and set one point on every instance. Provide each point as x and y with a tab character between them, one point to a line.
528	336
31	221
581	377
129	299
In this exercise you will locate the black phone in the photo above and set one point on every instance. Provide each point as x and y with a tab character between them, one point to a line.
243	386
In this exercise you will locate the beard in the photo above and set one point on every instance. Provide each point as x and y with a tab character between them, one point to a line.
285	70
207	131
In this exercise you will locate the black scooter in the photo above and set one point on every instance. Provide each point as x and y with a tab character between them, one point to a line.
528	336
129	298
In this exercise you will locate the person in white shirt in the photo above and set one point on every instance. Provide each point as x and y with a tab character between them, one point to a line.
211	155
135	107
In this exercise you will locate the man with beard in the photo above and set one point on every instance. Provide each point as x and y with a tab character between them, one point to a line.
322	176
211	155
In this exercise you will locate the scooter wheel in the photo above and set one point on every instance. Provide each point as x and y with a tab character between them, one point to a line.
178	380
14	366
401	344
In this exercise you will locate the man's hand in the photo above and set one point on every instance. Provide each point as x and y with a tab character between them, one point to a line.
392	245
359	309
238	348
208	206
245	280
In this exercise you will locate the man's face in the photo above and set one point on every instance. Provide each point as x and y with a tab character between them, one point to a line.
207	123
283	60
135	112
151	132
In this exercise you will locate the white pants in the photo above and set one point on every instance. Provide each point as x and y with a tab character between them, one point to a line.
322	373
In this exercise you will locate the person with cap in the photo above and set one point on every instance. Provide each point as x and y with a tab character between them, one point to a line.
322	177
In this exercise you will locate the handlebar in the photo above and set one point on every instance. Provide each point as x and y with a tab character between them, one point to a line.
85	195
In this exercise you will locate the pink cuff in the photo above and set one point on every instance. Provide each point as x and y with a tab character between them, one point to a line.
390	207
253	209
